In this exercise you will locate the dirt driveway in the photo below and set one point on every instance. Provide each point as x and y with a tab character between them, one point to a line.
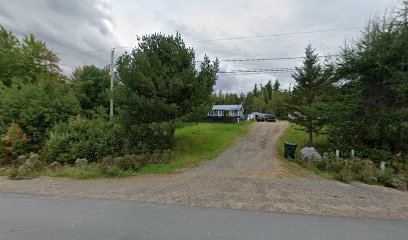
249	175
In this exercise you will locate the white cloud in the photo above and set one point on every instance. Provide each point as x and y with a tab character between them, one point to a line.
78	28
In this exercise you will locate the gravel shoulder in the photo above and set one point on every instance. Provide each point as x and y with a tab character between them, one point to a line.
248	175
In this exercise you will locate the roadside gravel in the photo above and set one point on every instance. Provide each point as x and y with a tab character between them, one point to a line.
248	175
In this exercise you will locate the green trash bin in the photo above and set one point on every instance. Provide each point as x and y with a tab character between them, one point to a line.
290	149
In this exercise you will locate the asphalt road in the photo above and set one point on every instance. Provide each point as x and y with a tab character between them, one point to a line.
24	216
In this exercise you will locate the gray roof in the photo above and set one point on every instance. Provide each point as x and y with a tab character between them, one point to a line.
228	107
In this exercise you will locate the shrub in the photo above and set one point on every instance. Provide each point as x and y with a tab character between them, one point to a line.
386	176
351	170
13	143
96	138
82	138
37	107
367	171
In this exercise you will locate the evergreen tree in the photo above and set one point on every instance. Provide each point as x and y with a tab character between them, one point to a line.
371	101
311	82
161	86
276	85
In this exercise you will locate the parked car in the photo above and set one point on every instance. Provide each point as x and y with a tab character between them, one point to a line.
266	118
270	118
260	118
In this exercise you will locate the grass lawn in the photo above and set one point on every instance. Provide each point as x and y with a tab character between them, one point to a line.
295	135
203	141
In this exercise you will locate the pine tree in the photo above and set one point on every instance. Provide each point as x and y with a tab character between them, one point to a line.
311	82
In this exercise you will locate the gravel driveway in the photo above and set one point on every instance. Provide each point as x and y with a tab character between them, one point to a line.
249	175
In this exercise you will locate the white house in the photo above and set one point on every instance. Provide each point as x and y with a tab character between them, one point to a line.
236	110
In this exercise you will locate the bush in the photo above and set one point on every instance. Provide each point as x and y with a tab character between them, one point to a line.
351	170
367	171
96	138
13	143
37	107
82	138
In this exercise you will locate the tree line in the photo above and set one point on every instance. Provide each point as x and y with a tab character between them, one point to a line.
270	98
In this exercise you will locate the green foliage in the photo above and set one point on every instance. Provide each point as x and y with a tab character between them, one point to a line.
36	107
370	107
161	84
12	144
160	87
96	138
92	89
311	83
25	60
82	138
351	170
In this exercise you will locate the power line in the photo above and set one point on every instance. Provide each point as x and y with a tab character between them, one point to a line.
272	35
257	70
250	73
267	59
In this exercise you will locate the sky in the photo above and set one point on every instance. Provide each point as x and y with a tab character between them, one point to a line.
83	31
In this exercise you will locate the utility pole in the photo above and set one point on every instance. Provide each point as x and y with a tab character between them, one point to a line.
111	83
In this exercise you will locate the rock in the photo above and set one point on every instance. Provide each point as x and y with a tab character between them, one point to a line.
33	156
25	169
81	162
310	155
55	165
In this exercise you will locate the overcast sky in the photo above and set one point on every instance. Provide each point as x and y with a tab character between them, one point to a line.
83	31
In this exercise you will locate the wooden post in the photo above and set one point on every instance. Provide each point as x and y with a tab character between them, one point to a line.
382	167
